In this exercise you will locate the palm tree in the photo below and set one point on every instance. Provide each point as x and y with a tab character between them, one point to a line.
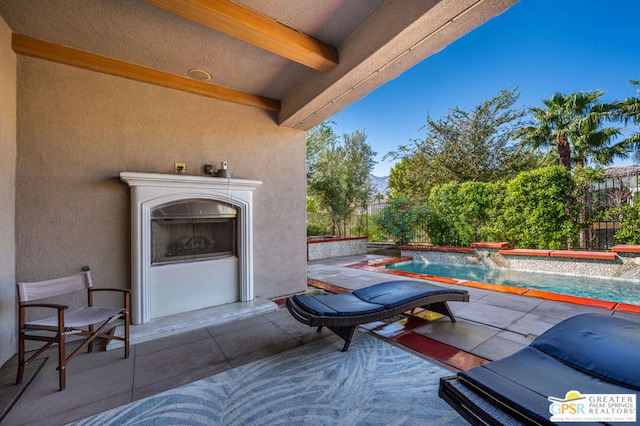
629	110
574	122
591	141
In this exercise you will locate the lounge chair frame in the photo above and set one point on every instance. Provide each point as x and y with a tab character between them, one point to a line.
478	407
344	326
592	353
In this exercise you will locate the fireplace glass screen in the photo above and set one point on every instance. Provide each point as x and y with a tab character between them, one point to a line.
189	230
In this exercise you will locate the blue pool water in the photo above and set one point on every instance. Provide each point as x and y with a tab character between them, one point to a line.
625	291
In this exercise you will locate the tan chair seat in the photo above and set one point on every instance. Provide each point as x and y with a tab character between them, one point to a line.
78	318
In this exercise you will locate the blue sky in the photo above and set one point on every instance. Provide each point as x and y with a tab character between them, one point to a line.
542	46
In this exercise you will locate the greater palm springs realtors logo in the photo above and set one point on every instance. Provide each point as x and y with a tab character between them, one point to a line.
576	407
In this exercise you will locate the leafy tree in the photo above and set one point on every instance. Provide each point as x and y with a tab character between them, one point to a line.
573	125
476	145
627	111
318	225
401	219
629	216
317	222
378	197
463	213
404	178
593	202
338	172
540	210
373	231
317	139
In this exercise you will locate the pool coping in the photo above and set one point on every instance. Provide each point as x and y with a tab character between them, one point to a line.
378	265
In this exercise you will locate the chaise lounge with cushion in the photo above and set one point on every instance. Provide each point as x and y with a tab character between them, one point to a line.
589	354
342	313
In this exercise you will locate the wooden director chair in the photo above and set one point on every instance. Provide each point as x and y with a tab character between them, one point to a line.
88	321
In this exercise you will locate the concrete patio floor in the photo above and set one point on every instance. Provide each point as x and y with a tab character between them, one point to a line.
491	326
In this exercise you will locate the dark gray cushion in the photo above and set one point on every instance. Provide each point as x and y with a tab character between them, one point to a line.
589	353
394	293
344	304
601	345
524	381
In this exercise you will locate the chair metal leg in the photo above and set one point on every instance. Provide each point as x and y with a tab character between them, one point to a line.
126	334
62	358
20	358
62	362
21	336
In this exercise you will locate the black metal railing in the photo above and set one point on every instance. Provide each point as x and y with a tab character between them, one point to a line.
602	201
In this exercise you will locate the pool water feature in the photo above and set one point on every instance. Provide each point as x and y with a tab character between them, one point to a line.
616	290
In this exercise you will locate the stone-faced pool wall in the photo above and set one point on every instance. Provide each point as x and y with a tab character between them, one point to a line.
621	263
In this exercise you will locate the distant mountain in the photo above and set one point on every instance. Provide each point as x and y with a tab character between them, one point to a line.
379	185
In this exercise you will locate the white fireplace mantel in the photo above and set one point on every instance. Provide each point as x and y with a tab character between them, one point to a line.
159	180
150	190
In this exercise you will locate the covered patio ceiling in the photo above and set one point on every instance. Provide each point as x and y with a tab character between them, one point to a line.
302	60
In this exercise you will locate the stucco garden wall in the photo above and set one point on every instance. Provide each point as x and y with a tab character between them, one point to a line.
7	195
325	248
77	130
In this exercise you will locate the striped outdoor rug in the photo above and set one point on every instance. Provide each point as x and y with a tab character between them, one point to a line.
374	383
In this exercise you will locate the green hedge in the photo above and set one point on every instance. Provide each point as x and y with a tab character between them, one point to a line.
463	213
628	216
629	232
541	210
537	209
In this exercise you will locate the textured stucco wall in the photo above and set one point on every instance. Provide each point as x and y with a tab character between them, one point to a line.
77	130
7	195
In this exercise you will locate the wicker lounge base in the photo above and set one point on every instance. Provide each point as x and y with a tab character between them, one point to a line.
342	313
584	355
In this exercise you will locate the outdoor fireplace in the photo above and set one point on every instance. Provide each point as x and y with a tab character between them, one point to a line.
191	230
191	243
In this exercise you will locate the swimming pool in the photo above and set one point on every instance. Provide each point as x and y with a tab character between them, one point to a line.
624	291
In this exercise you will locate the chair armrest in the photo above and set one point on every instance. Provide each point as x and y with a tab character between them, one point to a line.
22	313
126	293
43	305
123	290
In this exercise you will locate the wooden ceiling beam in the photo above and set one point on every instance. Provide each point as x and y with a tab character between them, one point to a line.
41	49
251	27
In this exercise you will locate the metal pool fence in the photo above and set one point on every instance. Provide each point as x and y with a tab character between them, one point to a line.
619	187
